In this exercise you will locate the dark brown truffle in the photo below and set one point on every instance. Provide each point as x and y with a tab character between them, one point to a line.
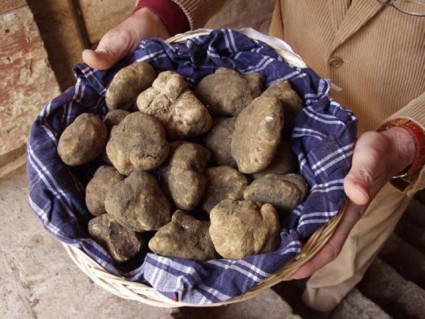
223	182
121	243
283	191
138	203
96	190
226	92
137	143
83	140
184	237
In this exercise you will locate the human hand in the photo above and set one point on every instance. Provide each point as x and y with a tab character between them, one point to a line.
376	158
124	38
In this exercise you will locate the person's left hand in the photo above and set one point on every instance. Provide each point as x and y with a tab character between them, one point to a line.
376	158
124	38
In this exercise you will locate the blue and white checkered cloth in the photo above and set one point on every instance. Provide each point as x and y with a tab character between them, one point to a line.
322	139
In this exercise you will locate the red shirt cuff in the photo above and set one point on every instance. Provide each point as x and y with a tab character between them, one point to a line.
418	136
170	14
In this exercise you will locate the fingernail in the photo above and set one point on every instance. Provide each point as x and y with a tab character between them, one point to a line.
102	51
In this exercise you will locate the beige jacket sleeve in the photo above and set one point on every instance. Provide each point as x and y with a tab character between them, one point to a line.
198	12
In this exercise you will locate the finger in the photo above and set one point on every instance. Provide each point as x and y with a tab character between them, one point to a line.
356	189
333	247
115	45
124	38
100	60
366	168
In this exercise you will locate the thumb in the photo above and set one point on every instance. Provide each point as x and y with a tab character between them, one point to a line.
114	45
357	186
366	168
376	158
100	59
124	38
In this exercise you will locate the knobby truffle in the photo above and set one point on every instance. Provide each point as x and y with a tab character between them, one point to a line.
184	237
138	203
138	142
122	243
97	188
127	84
257	134
219	139
83	140
226	92
185	175
283	163
223	182
283	191
242	228
175	106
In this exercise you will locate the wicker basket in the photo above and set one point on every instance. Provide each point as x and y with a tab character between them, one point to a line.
127	289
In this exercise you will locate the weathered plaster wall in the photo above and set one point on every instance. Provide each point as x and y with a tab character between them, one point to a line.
60	36
28	82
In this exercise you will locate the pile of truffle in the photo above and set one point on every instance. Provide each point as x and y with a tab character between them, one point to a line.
220	150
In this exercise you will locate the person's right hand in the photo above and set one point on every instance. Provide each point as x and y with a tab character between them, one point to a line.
377	157
124	38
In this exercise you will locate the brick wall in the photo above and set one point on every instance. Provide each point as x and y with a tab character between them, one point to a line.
28	82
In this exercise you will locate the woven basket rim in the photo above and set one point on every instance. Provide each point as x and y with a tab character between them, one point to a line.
136	291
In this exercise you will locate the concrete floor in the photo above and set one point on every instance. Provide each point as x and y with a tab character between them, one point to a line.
39	280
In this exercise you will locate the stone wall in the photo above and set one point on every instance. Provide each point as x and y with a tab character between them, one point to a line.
28	82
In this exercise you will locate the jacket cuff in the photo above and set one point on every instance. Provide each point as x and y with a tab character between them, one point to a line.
407	179
418	136
169	12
